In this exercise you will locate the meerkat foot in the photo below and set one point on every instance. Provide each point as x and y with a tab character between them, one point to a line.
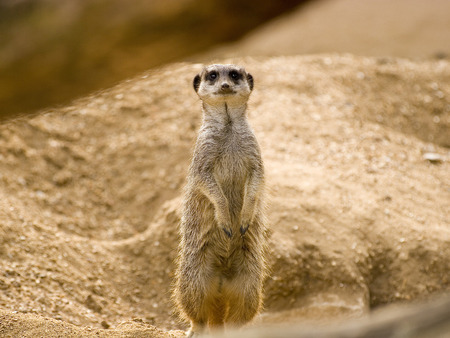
228	232
195	331
191	334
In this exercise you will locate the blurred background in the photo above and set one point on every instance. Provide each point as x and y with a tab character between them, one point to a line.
53	51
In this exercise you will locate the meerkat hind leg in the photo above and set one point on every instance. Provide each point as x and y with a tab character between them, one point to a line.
194	298
244	296
215	310
217	313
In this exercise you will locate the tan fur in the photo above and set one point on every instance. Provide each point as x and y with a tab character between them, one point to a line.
221	265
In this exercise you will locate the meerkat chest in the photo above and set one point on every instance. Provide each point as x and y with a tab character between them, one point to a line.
234	160
230	166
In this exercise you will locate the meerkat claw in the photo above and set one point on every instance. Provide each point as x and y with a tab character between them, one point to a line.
228	232
243	229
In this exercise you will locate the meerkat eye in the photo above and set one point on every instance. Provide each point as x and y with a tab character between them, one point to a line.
234	75
211	76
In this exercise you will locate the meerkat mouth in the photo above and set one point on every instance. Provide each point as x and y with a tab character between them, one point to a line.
225	91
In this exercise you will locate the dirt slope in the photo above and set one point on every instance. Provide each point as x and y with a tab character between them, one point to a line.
90	195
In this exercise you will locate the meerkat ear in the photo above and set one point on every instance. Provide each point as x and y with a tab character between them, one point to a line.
250	81
197	81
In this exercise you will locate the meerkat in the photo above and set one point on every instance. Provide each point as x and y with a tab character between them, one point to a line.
221	265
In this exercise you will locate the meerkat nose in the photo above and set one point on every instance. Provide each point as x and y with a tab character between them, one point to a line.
225	85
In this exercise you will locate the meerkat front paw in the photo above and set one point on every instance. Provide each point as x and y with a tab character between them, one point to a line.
244	228
224	222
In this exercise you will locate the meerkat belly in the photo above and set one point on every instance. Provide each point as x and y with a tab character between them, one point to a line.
231	175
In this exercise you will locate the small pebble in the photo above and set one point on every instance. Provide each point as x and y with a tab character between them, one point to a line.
433	158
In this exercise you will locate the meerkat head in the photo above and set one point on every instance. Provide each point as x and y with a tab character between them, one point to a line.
223	83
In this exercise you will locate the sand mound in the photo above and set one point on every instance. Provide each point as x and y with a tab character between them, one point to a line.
356	168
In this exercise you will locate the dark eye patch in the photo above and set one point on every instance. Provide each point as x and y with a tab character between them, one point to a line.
235	75
212	76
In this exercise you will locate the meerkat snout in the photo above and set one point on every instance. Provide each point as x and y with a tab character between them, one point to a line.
225	89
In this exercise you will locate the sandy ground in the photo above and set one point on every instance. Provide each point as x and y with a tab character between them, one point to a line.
356	154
